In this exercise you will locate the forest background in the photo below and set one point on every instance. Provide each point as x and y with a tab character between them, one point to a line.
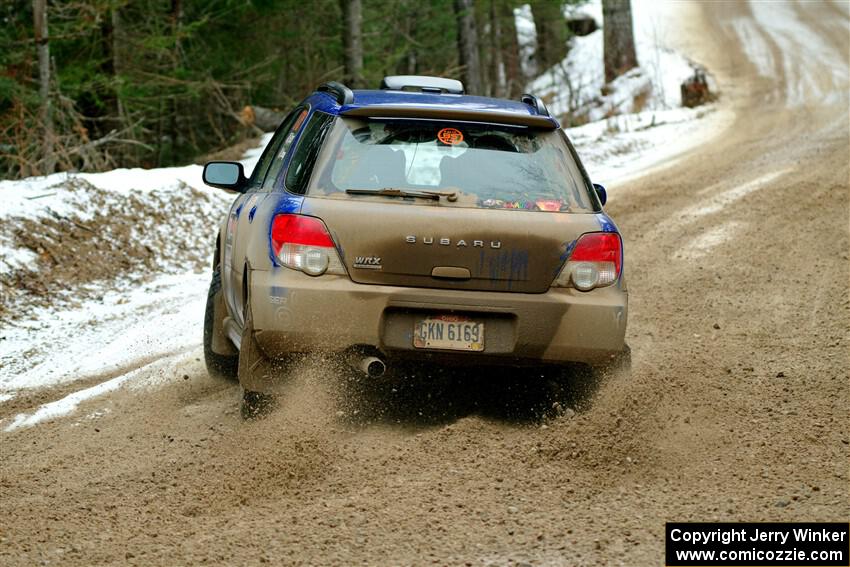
90	85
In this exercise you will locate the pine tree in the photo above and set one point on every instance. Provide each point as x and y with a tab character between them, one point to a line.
551	31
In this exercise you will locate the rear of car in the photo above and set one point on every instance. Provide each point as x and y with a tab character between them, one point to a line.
442	237
433	226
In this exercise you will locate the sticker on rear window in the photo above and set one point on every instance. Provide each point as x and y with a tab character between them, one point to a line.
450	136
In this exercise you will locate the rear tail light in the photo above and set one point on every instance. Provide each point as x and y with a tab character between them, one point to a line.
303	243
595	261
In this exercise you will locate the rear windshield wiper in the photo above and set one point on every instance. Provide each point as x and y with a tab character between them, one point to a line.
393	192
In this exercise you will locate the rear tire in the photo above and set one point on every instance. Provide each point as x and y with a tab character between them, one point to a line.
218	365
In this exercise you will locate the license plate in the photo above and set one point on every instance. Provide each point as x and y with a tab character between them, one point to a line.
451	332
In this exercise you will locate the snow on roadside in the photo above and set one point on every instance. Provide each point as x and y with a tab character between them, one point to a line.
104	336
69	403
526	38
620	147
58	196
156	324
578	82
119	340
631	126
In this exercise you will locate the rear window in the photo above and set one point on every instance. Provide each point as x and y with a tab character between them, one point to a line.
486	166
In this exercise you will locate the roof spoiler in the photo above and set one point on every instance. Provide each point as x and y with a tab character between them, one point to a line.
422	83
340	92
448	112
535	103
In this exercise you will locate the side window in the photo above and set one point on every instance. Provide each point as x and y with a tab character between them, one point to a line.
286	139
301	164
283	133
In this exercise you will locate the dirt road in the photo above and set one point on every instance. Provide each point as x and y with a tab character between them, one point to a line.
736	408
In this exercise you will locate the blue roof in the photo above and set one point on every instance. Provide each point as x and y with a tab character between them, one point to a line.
372	98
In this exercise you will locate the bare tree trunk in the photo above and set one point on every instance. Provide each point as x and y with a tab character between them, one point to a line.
514	80
352	40
409	17
619	42
497	62
42	40
551	28
467	40
485	54
413	12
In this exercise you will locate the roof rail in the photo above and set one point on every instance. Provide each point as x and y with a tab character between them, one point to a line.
340	92
422	83
534	103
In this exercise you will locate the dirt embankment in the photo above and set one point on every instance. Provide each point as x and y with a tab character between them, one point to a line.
110	240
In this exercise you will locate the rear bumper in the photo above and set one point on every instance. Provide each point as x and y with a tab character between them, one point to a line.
296	313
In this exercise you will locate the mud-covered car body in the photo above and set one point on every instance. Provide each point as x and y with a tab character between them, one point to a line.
416	224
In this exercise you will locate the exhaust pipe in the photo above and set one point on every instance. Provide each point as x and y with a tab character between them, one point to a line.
371	366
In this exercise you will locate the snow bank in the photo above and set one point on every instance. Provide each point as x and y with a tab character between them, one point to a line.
629	122
68	237
56	195
108	333
623	146
102	336
526	38
577	84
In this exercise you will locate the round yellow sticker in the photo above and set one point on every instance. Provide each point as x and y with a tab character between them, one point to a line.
450	136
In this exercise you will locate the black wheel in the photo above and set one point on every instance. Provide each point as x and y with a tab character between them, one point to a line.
256	404
221	357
